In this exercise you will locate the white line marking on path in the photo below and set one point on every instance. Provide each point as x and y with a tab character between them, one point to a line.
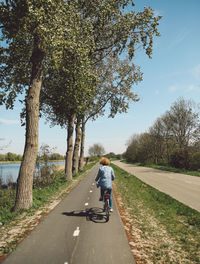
90	190
93	184
86	204
76	232
66	263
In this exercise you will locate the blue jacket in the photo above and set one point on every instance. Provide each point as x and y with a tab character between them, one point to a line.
105	177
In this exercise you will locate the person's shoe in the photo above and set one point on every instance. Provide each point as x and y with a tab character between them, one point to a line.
101	199
111	210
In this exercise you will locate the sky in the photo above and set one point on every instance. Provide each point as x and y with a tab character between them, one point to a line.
173	72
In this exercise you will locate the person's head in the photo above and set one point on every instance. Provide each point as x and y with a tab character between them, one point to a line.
104	161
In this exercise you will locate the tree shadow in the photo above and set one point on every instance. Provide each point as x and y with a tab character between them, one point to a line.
95	214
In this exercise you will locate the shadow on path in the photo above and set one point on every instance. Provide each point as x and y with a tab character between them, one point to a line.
95	214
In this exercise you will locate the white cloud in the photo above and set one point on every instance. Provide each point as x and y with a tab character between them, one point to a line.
157	12
192	87
196	72
157	92
8	122
182	88
173	88
123	116
179	39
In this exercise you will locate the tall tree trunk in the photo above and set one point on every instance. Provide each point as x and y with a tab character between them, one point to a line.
25	179
76	147
69	153
81	160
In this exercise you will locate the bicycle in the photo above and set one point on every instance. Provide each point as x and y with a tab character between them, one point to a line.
106	208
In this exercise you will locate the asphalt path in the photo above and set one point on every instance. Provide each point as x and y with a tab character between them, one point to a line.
75	232
184	188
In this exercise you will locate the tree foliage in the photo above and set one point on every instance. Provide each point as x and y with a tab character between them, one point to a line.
91	73
63	47
34	34
9	156
23	23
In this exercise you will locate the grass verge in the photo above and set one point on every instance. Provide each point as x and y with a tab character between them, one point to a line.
172	228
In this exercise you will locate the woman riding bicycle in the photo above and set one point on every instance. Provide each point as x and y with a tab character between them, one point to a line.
104	179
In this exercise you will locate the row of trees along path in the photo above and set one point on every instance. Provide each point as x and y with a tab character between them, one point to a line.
66	56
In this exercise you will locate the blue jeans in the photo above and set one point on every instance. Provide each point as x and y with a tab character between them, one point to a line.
110	191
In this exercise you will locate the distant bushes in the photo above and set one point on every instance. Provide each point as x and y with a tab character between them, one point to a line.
16	157
110	155
10	157
195	161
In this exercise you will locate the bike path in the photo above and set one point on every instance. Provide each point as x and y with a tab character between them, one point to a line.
75	232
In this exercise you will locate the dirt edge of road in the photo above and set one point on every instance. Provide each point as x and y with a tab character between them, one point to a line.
124	220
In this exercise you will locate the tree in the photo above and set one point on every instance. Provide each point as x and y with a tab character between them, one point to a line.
96	150
45	152
184	123
131	151
139	148
157	133
56	156
66	91
172	139
76	146
114	88
126	31
102	28
12	157
2	147
33	31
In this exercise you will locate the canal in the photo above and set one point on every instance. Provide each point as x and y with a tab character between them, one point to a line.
10	171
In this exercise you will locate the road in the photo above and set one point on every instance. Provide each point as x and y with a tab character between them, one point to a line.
184	188
75	232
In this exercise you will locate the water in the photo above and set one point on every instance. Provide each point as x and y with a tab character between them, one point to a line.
10	171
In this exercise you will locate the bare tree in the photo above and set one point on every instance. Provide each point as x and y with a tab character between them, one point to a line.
96	150
184	122
2	147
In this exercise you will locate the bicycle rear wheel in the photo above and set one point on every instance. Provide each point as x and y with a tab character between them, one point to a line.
107	210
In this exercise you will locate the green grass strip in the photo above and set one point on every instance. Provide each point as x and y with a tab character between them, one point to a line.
180	221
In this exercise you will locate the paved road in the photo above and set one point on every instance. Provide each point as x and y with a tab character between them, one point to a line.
75	232
183	188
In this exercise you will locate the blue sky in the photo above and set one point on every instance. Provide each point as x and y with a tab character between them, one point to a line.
173	72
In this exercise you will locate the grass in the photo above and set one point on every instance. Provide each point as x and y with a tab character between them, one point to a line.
14	161
180	221
40	195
